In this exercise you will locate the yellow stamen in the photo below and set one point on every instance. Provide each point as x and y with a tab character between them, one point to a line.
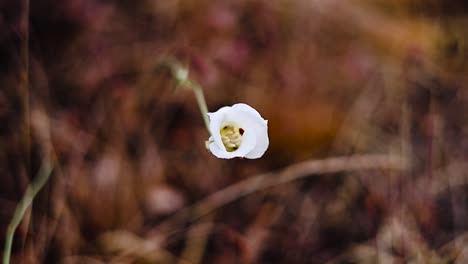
231	137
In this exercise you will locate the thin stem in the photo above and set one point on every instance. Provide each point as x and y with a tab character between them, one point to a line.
181	75
23	205
197	89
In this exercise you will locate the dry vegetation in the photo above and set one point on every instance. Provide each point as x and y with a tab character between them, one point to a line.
367	103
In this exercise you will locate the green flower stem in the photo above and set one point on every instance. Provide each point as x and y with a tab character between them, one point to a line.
23	205
181	74
197	89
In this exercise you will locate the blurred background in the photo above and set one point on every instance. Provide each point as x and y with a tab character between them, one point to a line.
82	87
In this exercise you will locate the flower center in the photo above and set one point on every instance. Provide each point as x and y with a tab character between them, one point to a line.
231	137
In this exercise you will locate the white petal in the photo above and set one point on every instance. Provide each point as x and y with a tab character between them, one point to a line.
216	121
246	108
242	117
218	152
262	142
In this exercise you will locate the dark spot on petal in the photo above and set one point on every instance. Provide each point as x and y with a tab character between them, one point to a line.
225	127
241	131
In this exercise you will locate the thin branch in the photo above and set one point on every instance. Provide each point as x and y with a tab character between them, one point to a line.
294	172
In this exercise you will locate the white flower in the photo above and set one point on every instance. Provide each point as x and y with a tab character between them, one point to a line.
238	131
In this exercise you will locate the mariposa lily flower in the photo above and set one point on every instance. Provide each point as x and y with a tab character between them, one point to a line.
237	131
